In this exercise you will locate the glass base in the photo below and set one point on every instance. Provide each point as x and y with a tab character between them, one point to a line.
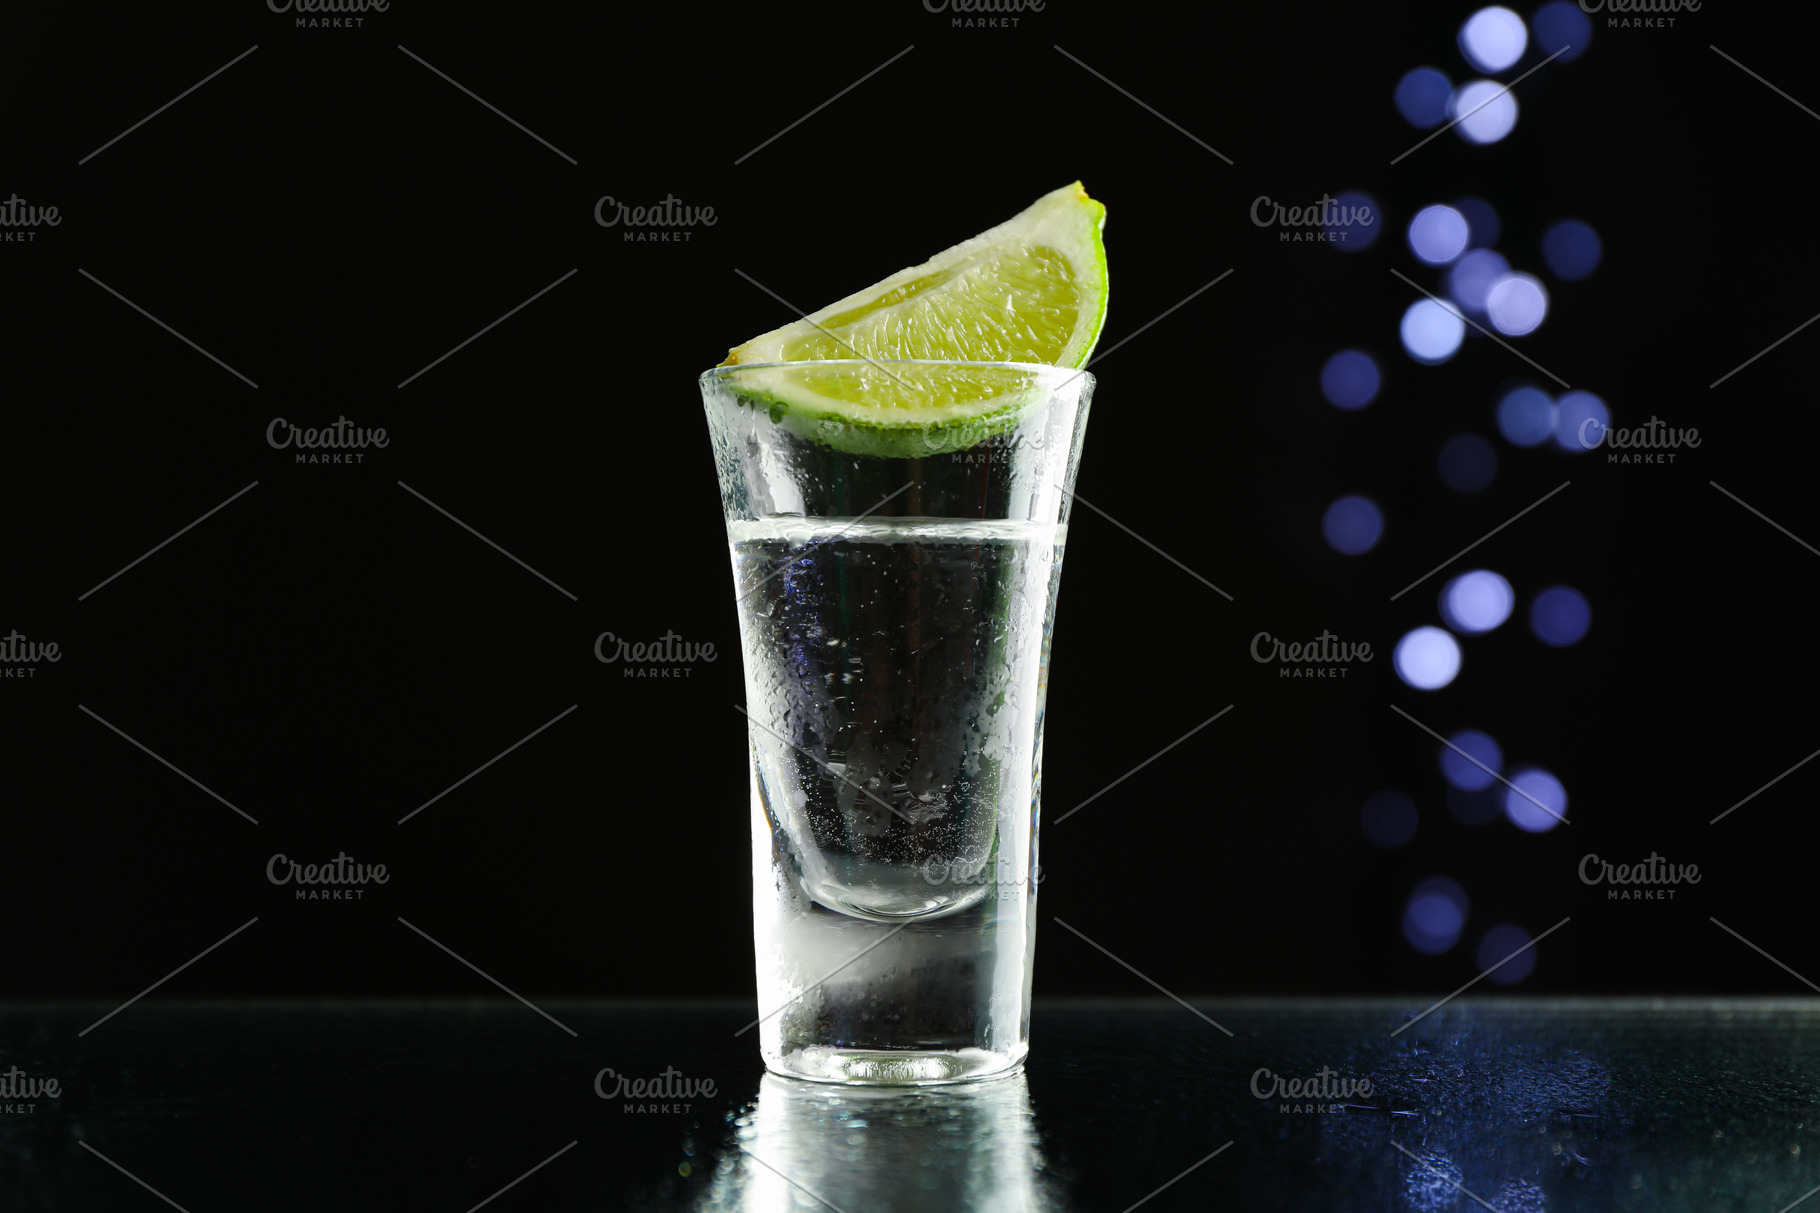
893	1067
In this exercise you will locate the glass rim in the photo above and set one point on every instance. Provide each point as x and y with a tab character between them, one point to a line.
1044	369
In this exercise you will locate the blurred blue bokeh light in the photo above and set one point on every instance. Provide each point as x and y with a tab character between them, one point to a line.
1435	915
1535	801
1437	234
1581	418
1572	250
1421	97
1486	111
1517	304
1560	616
1470	279
1431	331
1359	236
1349	380
1427	658
1461	770
1493	39
1477	602
1500	947
1353	525
1526	416
1561	23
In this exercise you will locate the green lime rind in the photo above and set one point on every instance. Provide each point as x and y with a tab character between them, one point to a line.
886	433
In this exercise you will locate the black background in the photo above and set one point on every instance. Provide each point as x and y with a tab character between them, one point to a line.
328	652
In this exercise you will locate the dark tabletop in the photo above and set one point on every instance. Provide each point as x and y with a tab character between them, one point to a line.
1515	1104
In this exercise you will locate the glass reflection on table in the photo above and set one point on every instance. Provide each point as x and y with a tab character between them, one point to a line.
972	1146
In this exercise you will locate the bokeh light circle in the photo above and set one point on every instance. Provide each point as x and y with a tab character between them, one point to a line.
1485	110
1353	525
1526	416
1535	801
1459	768
1437	234
1350	380
1421	97
1470	279
1359	236
1477	602
1580	418
1427	658
1493	39
1561	23
1560	616
1517	304
1434	915
1572	250
1508	948
1431	331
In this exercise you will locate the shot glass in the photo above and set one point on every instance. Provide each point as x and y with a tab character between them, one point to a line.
896	587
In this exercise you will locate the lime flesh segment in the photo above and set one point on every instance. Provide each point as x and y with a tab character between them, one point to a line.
1031	290
1015	305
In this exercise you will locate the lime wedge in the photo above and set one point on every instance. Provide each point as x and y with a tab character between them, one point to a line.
1031	290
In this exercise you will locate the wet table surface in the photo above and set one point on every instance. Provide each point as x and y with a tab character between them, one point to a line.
1513	1104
